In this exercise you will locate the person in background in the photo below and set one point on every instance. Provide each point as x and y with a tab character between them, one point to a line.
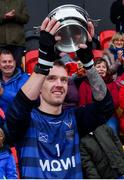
11	79
74	68
72	96
103	69
117	15
48	137
7	162
117	49
102	154
116	46
121	104
114	55
70	62
86	97
13	17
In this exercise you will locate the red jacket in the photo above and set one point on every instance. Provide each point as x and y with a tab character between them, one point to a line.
85	93
71	68
121	104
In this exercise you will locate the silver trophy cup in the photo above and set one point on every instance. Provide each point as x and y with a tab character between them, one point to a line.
73	27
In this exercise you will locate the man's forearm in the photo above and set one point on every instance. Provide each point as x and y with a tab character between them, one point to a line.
33	86
97	84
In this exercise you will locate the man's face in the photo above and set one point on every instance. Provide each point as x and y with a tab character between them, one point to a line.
7	64
55	86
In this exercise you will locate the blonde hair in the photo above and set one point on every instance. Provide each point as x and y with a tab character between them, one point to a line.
116	36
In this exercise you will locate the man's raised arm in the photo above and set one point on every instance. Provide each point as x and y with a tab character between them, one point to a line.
85	54
46	58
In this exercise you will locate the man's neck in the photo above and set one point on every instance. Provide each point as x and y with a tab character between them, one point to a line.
6	78
50	109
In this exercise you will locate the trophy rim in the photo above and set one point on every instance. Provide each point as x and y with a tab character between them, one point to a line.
80	9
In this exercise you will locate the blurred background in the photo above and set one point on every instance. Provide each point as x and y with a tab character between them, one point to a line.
97	9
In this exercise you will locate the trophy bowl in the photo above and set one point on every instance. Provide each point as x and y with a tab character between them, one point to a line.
73	26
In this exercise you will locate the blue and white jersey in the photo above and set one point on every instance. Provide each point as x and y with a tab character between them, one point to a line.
48	145
51	147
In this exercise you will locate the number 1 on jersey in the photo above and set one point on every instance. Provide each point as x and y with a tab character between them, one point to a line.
58	150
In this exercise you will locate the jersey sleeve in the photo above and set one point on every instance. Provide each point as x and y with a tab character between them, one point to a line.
18	117
91	116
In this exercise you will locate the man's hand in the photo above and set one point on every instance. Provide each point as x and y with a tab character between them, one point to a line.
2	138
47	42
85	52
10	14
50	26
120	55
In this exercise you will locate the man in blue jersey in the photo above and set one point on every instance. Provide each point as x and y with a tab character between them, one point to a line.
46	137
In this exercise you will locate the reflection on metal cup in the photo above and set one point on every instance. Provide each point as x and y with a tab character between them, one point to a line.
73	27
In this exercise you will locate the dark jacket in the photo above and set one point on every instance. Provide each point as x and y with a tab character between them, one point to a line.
102	154
7	164
12	30
117	15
